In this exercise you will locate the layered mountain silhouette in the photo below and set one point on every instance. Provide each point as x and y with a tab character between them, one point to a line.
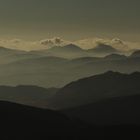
102	50
50	71
74	51
71	48
95	88
28	95
8	55
42	69
68	51
101	105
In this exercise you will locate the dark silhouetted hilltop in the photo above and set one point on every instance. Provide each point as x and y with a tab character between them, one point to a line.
135	54
24	122
98	87
67	51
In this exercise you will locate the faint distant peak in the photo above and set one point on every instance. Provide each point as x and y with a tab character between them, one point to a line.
73	46
105	47
115	56
135	54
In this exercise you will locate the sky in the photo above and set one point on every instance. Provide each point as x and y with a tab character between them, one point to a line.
70	19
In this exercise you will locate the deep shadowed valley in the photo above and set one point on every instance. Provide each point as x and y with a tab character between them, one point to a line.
24	122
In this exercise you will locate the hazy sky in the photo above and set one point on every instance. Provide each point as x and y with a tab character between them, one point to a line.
70	19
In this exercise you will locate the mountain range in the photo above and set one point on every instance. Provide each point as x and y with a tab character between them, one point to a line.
102	50
74	51
88	43
43	69
11	55
78	93
69	51
69	92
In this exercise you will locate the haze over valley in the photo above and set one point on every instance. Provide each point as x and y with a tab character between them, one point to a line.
57	66
69	69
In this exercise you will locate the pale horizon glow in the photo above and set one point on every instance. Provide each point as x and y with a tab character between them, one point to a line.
72	20
87	43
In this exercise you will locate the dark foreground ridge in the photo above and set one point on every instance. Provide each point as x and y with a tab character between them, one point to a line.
28	122
23	122
95	88
113	111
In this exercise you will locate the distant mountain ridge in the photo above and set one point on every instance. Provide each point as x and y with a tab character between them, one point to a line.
67	51
4	49
69	48
135	54
50	70
57	72
8	55
74	51
115	56
102	50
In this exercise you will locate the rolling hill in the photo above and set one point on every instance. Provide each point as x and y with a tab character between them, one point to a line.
27	95
95	88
